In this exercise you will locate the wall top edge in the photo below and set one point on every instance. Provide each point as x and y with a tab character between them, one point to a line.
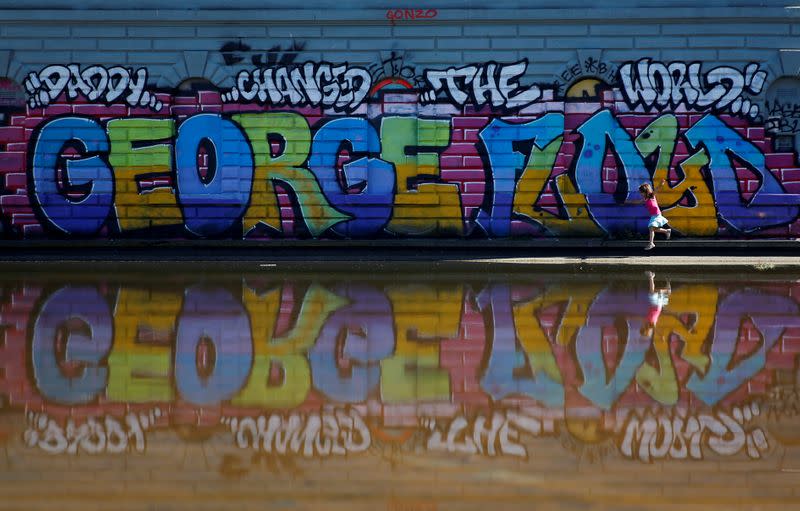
453	15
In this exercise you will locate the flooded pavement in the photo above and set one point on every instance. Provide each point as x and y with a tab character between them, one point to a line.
275	391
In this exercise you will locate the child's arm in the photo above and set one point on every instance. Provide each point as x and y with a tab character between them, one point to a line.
660	185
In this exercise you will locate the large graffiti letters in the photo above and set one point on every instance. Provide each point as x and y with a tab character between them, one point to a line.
386	152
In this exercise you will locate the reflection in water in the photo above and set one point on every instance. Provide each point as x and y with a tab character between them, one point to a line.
276	373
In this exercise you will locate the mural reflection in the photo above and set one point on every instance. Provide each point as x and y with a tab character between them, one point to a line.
277	371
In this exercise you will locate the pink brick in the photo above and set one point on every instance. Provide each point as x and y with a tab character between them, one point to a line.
184	110
636	121
184	100
209	98
54	110
17	147
14	200
16	180
465	175
12	134
114	110
237	107
474	187
451	359
462	148
451	161
32	122
473	162
12	161
470	122
734	121
780	160
24	218
755	133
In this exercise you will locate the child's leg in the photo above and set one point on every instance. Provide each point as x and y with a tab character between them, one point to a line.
665	232
652	235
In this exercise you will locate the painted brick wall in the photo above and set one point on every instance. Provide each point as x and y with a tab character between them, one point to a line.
452	69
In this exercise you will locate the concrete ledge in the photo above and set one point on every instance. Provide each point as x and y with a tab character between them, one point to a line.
592	244
394	259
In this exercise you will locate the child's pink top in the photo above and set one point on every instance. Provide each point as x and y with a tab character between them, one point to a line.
652	207
653	314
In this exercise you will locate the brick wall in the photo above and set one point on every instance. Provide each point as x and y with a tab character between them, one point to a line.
192	62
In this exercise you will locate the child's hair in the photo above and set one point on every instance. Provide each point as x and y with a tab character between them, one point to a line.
647	191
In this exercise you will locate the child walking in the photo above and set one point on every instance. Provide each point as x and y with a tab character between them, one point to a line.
657	221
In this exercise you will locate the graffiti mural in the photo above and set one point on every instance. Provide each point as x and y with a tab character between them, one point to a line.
319	370
332	150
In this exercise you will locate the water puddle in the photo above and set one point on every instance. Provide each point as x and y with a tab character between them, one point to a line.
272	391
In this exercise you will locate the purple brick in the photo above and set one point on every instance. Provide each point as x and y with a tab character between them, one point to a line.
474	187
471	135
473	162
12	134
463	175
16	180
470	122
12	162
209	98
32	122
184	100
184	110
451	161
14	200
54	110
237	107
462	148
114	110
780	160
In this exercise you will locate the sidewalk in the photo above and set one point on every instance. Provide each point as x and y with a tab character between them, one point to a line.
459	256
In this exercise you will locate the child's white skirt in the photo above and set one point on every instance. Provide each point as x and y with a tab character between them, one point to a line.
657	221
